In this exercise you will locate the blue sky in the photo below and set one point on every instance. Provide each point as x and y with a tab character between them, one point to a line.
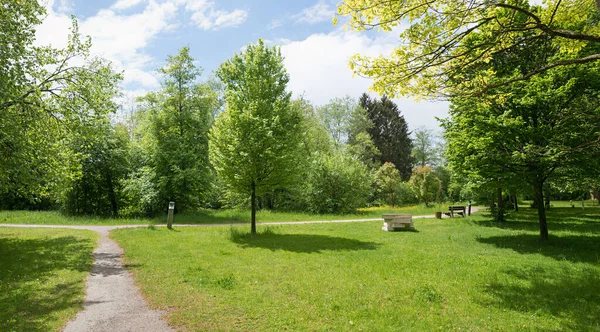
138	35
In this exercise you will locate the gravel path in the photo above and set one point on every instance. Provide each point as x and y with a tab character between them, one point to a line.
113	302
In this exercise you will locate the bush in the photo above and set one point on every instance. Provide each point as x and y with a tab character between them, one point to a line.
338	183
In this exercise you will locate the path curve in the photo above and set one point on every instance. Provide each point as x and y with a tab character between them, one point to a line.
113	302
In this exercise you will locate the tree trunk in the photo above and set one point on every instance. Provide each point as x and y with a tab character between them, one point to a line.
112	196
539	199
393	200
515	202
253	218
547	198
500	216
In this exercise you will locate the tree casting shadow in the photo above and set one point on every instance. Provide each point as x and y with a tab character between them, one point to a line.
565	293
573	248
299	243
559	219
24	263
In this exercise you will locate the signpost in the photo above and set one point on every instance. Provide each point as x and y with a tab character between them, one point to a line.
170	215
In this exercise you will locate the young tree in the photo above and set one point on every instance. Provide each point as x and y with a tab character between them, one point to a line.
254	144
180	115
425	184
389	133
388	179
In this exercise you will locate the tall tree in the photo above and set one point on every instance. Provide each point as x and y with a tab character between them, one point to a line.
254	144
551	122
389	133
337	117
180	115
437	47
46	99
425	148
104	166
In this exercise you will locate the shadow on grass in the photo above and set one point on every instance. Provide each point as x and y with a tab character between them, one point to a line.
574	248
299	243
26	267
569	294
559	219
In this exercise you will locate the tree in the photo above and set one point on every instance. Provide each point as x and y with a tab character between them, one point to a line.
46	100
337	116
425	184
388	179
104	166
180	115
551	122
425	150
437	47
254	144
389	133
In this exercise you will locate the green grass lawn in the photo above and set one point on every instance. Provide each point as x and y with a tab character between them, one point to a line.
207	216
42	277
451	274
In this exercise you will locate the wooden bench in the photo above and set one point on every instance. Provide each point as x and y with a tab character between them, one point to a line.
460	210
397	222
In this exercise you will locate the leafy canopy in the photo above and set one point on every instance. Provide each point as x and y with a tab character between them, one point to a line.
434	49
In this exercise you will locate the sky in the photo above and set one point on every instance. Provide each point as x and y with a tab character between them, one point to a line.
137	36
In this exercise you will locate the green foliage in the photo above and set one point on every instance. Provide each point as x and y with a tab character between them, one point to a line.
338	183
425	184
255	143
47	102
388	180
179	118
527	132
104	165
389	132
426	149
342	119
405	194
437	48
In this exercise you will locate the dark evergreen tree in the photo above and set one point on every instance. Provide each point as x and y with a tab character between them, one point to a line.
389	133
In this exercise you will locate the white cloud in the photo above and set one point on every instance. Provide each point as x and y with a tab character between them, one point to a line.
320	12
318	68
125	4
206	17
274	24
115	37
65	6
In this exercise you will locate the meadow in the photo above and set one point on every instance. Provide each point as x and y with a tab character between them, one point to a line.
450	274
208	216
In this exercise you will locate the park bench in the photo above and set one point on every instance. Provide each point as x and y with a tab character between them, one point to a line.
460	210
397	222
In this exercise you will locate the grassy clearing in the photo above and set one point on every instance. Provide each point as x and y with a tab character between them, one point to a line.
468	274
42	276
57	218
207	216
